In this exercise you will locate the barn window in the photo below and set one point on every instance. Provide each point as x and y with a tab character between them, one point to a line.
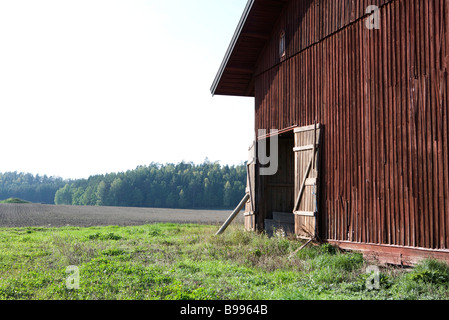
282	45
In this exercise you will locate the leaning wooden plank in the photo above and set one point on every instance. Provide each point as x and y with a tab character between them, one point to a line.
233	215
294	253
303	184
303	148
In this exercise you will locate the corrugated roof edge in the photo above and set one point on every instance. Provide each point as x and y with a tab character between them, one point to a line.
234	39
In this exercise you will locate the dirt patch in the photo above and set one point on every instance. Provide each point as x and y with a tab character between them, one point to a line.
37	215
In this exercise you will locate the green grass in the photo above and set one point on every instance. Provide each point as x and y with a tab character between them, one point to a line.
14	200
170	261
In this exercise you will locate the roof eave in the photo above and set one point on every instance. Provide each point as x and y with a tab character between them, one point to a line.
231	47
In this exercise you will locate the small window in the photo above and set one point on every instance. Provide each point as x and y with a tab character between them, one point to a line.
282	45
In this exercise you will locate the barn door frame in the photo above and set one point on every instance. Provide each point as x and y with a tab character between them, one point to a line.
306	150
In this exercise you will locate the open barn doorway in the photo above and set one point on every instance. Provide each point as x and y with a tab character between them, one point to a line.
286	200
276	202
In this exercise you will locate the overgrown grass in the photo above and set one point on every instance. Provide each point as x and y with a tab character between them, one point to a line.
170	261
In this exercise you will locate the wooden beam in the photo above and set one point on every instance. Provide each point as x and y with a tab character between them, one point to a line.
394	254
305	213
305	148
307	128
233	215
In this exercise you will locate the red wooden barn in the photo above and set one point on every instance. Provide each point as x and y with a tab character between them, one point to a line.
358	93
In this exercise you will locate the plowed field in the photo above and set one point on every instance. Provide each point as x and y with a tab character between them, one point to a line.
37	215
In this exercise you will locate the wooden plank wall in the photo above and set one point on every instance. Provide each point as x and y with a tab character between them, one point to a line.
382	98
307	22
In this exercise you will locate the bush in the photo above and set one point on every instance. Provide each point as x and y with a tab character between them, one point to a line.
430	271
14	200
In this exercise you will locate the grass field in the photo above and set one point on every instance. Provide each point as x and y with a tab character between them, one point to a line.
174	262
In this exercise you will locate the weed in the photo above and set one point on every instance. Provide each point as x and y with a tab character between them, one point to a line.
328	249
431	271
113	252
256	252
107	236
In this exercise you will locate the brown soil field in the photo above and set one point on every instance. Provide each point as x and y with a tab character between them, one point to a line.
37	215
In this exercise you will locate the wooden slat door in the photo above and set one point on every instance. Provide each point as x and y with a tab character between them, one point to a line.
306	149
250	223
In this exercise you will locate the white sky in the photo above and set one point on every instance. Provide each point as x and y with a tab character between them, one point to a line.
98	86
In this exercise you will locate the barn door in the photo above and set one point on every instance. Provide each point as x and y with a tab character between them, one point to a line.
306	149
250	223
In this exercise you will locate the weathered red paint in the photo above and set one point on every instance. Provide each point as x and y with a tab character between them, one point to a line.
382	99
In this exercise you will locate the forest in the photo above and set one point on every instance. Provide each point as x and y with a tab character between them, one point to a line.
33	188
183	185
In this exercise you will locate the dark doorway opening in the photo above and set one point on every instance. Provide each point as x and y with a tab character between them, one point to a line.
277	191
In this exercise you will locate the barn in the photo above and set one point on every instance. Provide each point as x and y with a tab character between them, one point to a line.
351	122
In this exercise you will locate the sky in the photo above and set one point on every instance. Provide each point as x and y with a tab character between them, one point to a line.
97	86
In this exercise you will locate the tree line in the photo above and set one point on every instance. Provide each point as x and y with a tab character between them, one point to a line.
184	185
33	188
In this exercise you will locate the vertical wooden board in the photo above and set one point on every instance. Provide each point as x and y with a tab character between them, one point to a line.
446	157
416	127
438	160
412	123
363	102
423	101
421	208
403	121
359	129
441	96
367	147
386	237
347	136
382	123
445	55
378	136
433	134
434	12
427	128
397	127
437	125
